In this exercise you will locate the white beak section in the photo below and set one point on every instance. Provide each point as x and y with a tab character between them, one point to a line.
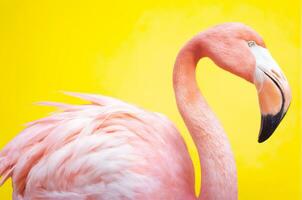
273	91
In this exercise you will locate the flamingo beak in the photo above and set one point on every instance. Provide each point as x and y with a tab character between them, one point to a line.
274	93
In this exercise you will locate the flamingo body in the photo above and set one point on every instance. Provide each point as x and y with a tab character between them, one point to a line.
105	150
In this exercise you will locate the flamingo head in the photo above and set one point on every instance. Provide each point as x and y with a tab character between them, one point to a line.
238	49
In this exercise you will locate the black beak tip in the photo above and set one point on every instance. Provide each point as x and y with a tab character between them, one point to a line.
263	136
269	123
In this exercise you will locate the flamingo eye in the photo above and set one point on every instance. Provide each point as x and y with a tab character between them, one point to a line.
251	43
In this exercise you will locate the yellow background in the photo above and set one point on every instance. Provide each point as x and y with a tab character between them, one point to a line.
127	49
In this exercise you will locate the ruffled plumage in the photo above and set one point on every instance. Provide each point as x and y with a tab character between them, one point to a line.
104	150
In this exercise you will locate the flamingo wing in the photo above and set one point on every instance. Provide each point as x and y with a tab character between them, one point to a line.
104	150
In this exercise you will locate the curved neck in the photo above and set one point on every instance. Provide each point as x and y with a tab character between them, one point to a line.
218	170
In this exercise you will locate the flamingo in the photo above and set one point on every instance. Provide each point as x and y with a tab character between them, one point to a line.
111	150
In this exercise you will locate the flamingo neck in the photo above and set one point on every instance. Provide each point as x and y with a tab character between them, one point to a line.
218	169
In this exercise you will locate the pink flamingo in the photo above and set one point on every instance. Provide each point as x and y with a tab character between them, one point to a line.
112	150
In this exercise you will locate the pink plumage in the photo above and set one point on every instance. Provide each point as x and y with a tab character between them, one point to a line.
110	150
104	150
